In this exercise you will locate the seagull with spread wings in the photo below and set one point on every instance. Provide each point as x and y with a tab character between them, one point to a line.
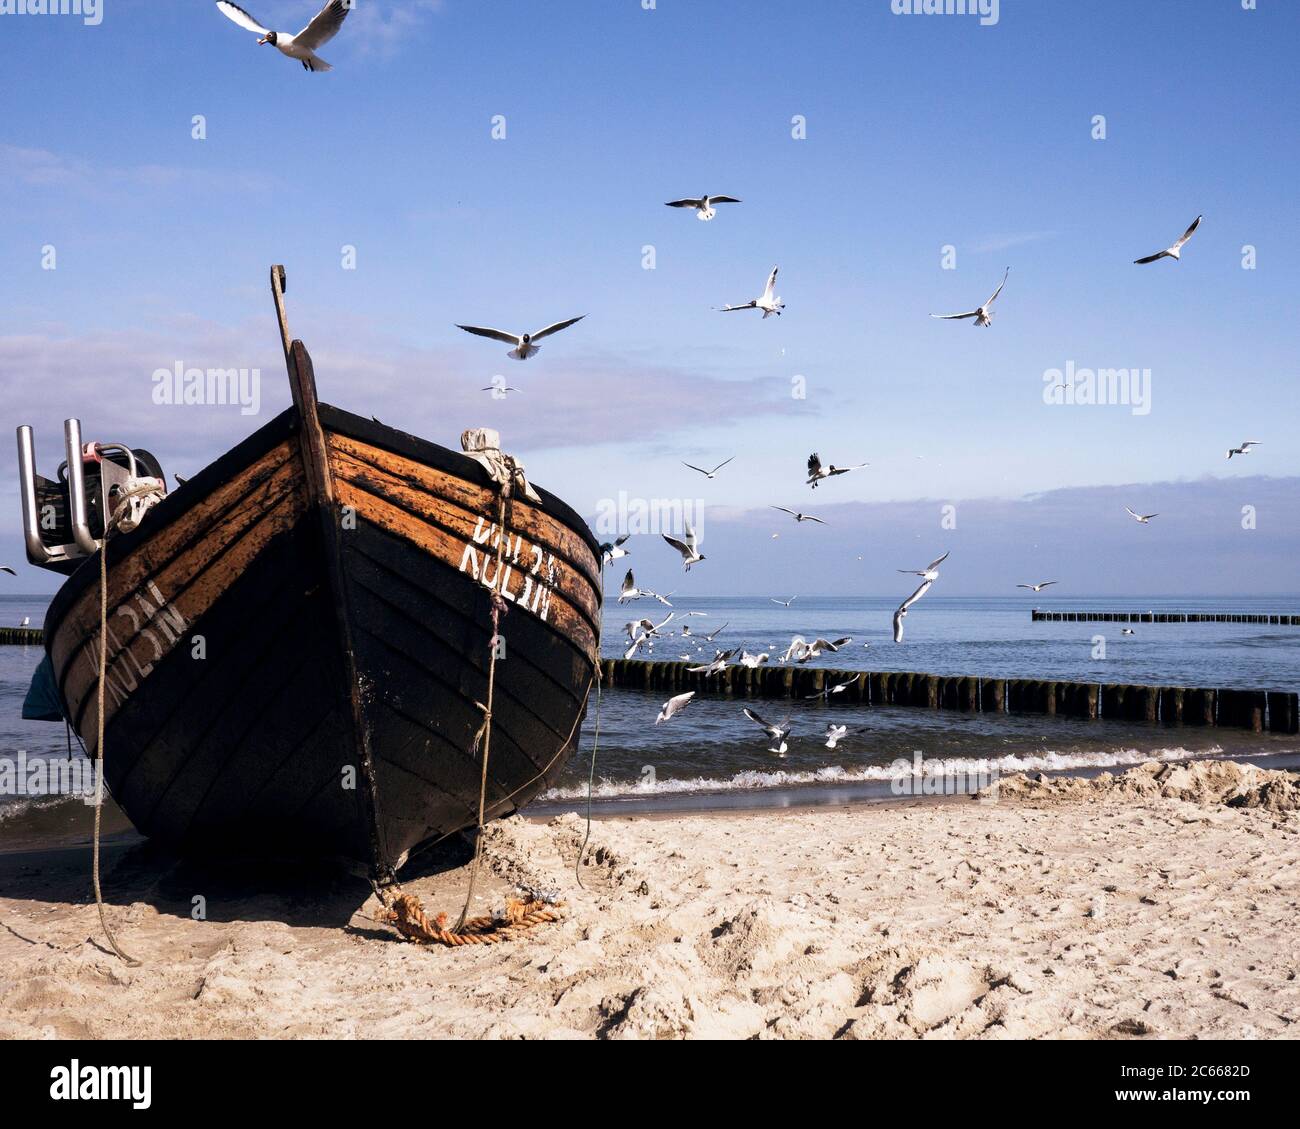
303	45
768	301
1244	449
630	592
688	545
983	315
703	206
1141	519
776	733
817	472
709	473
1037	587
798	516
674	706
524	343
1174	251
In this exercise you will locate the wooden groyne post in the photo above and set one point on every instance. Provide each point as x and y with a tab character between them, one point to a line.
1274	711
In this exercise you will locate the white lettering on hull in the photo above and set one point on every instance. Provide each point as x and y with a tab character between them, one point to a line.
526	576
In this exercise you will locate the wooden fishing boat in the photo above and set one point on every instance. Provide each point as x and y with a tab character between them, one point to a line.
299	642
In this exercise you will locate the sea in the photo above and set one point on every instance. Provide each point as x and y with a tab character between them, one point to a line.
710	755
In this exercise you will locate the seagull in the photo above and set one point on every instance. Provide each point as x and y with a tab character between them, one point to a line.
931	571
1127	631
1174	251
703	206
631	592
798	516
816	472
522	342
716	665
6	568
503	389
784	603
1140	518
648	631
714	633
709	473
801	650
983	315
839	688
752	661
768	302
674	706
1244	449
26	621
688	546
834	733
612	550
776	733
1039	586
901	612
303	45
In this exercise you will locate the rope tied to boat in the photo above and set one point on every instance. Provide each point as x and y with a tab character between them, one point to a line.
126	498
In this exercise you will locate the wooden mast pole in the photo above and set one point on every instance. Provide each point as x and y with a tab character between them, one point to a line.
321	495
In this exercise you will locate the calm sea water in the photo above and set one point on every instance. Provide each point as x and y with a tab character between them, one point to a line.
712	749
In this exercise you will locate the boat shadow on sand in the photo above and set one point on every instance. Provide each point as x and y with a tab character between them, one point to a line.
222	888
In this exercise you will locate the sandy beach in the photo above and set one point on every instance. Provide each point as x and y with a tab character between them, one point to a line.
1159	902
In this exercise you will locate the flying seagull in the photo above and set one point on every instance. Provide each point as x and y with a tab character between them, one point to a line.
674	706
798	516
1037	587
776	733
503	388
1244	449
801	650
768	301
834	733
930	572
612	550
816	472
303	45
630	591
688	546
703	206
709	473
838	688
522	342
784	603
6	568
1141	518
983	315
1173	252
712	635
642	631
901	613
716	665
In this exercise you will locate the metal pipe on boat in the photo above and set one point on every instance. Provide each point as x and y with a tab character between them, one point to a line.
37	553
77	487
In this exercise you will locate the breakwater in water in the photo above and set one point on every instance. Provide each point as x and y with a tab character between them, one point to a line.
1257	710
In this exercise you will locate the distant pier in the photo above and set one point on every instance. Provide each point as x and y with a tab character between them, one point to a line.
1166	617
1274	711
22	636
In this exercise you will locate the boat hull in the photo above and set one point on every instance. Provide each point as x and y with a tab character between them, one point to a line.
295	675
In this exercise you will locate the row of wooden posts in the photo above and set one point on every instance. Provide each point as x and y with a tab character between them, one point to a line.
1256	710
22	636
1165	617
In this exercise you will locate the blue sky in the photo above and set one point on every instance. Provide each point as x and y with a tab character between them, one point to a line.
922	131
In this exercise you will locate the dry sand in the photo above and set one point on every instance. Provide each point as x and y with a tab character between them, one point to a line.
1160	902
